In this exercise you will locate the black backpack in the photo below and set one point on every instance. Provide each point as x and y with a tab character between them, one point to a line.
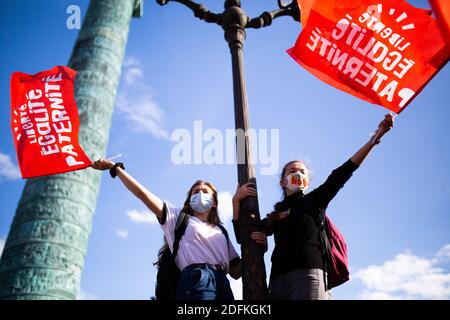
168	274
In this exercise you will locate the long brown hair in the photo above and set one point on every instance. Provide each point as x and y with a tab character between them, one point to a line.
213	217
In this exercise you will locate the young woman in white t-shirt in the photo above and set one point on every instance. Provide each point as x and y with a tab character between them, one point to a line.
204	254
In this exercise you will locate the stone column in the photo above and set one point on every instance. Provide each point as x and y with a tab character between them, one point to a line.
44	253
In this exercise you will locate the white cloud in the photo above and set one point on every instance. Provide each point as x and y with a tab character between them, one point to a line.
444	252
83	295
406	277
2	245
225	206
131	61
122	233
144	114
132	75
142	217
377	295
236	287
136	102
8	169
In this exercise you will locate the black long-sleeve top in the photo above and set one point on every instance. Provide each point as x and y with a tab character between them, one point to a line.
294	228
296	232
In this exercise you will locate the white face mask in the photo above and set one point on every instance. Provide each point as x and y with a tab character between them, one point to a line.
201	202
297	181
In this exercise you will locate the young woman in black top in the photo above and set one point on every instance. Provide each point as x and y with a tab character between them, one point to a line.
297	260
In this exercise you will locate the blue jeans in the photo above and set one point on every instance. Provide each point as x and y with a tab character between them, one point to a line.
202	282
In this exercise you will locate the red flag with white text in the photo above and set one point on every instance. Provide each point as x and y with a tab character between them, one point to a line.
305	7
442	10
44	123
382	51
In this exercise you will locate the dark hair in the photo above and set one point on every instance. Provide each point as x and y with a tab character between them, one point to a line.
277	207
213	217
283	172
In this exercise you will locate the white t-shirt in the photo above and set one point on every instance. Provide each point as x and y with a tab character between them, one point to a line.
201	242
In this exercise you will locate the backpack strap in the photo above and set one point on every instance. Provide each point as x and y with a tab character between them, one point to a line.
180	228
225	232
320	220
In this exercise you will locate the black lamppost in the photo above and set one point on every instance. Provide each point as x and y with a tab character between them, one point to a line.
234	21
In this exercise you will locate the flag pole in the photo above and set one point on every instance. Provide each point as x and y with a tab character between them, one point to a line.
114	157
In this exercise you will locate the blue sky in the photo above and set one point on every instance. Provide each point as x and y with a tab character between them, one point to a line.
177	70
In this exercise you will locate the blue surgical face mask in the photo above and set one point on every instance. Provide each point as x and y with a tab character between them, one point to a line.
201	202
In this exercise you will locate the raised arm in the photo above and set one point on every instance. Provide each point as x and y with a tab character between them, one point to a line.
384	126
149	199
328	190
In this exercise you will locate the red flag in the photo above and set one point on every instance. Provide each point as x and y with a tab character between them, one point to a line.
384	53
442	10
44	122
305	7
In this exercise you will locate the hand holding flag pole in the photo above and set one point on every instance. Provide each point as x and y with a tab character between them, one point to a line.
383	127
104	164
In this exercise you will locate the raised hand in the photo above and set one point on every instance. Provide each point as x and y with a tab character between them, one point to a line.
102	164
387	124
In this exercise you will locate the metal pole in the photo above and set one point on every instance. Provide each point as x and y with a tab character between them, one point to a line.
253	268
234	21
